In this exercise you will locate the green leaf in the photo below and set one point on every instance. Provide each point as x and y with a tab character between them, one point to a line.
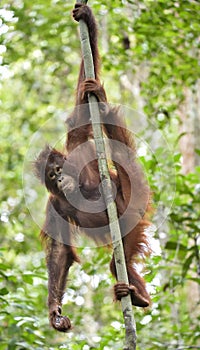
187	264
4	291
175	245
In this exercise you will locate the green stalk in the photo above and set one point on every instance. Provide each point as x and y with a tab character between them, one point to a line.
122	276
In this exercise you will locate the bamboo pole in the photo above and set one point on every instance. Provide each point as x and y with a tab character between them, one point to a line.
122	276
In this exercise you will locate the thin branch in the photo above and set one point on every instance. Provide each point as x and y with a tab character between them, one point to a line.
107	191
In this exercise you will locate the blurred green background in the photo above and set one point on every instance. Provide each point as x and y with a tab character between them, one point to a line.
151	63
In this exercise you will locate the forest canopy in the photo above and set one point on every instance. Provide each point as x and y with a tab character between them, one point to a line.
149	64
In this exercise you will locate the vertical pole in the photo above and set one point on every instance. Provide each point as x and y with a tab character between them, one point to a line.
122	276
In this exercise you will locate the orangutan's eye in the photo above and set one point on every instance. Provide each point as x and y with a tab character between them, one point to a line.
57	170
51	175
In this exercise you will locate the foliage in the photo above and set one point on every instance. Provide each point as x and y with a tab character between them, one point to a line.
40	58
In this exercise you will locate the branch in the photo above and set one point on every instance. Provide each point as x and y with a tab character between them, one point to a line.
107	190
